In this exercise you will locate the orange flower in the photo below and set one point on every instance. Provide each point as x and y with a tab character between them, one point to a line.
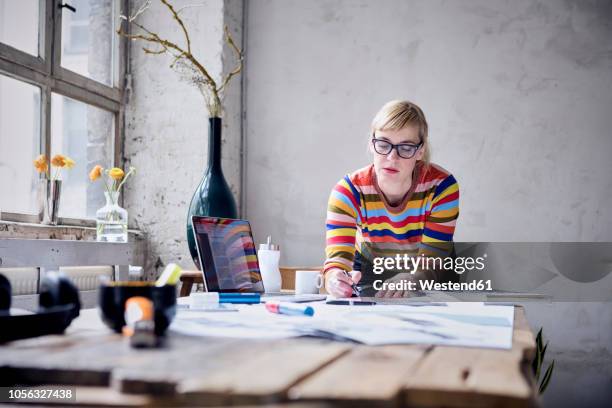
69	162
95	173
41	163
58	160
116	173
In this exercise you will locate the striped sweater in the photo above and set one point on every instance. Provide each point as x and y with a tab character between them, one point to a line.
361	225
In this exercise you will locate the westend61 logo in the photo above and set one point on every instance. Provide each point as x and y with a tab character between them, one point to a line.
412	264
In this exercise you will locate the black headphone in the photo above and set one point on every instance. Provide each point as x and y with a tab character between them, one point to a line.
59	304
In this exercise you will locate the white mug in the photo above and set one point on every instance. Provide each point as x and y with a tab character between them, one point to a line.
307	282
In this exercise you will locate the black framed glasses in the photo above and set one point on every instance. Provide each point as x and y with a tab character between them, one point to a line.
404	150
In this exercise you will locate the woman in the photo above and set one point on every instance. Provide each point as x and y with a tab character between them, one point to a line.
399	205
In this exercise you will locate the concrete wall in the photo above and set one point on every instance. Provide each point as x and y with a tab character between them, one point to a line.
519	100
580	342
167	126
518	96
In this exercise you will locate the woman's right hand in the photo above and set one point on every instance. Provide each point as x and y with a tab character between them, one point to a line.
339	284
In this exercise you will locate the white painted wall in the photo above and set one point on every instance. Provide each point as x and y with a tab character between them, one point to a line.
519	100
518	96
167	126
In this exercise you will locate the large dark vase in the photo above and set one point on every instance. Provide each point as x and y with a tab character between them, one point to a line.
213	196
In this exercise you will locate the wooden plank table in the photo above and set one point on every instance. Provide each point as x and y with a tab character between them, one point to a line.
294	372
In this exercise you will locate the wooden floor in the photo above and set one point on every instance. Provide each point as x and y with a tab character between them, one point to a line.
295	373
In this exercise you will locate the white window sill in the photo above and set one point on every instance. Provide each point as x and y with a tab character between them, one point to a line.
25	230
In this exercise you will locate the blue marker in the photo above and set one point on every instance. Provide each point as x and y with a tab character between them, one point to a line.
289	308
237	297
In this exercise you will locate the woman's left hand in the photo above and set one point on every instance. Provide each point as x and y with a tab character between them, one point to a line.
404	276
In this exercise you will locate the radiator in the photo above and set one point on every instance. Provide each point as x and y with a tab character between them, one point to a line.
24	281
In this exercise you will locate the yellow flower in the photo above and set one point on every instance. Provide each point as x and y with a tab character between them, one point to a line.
116	173
41	163
69	162
58	160
95	173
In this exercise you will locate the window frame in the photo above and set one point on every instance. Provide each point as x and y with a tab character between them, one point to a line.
46	72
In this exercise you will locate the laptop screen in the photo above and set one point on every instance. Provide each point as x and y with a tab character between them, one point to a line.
227	255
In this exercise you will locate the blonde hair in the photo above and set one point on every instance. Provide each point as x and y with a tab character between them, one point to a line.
396	115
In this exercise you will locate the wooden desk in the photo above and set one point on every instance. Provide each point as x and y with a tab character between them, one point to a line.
215	371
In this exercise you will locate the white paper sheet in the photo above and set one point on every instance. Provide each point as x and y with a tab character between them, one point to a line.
457	324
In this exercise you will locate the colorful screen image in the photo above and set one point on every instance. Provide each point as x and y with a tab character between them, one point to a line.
227	255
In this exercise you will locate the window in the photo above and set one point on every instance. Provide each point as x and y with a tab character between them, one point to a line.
75	33
19	25
88	37
61	91
19	143
81	131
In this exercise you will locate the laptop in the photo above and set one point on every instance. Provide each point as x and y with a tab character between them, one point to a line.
228	258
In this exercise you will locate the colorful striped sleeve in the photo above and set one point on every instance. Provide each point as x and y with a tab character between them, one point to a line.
440	222
341	226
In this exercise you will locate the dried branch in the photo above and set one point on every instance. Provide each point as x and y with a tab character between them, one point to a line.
155	38
239	57
179	11
141	10
184	62
150	51
180	22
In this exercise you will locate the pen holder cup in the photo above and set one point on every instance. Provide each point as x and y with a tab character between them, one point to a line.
113	295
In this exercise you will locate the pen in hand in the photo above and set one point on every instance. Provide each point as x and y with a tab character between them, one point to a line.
354	286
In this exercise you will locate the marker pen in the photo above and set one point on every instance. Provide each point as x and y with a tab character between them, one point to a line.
209	299
289	308
238	297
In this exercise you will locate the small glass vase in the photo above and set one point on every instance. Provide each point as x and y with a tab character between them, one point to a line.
49	201
112	220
